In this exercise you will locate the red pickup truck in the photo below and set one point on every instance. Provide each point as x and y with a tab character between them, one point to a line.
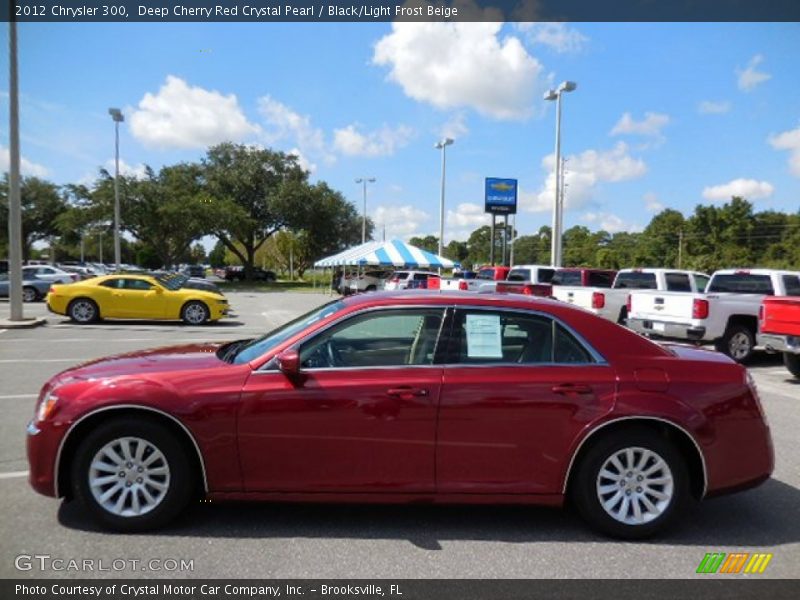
779	329
540	280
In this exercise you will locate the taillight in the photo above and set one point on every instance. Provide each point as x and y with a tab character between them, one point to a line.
527	290
628	303
699	309
761	314
395	280
463	285
598	300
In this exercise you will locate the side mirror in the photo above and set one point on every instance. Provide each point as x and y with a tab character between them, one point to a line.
289	363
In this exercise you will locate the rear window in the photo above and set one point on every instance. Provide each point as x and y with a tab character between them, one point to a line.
603	280
546	275
792	285
636	281
566	278
401	275
741	283
519	275
486	274
678	282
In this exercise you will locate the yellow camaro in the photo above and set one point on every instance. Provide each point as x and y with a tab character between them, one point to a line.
135	297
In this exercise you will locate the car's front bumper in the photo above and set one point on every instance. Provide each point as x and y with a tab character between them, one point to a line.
43	441
667	329
779	343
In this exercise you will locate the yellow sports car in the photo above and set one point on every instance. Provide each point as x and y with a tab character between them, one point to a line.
135	297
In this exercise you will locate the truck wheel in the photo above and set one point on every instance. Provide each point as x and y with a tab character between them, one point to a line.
623	317
738	343
792	362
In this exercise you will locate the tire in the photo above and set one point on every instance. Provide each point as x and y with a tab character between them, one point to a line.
371	288
623	317
658	507
167	480
29	294
83	310
738	342
792	362
195	313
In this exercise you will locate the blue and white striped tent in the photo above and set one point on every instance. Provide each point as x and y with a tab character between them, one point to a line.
394	253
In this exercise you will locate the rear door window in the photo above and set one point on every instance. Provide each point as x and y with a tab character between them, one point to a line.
792	285
701	281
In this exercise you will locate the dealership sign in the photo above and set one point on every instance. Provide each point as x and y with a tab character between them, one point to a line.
501	196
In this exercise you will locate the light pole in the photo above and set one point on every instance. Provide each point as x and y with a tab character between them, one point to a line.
555	244
442	145
14	197
365	181
118	117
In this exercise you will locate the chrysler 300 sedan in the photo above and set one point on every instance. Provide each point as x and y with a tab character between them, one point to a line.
407	397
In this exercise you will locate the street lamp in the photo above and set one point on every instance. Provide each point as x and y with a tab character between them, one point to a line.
442	145
558	209
365	181
117	117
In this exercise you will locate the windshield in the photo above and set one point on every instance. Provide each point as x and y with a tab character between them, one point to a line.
261	345
172	282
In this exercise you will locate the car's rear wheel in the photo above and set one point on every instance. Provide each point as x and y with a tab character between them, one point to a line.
631	484
132	475
738	342
195	313
792	362
29	294
371	288
83	310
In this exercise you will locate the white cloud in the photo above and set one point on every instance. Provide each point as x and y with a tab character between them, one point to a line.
400	221
455	127
285	124
137	172
382	142
453	65
183	116
750	77
652	203
746	188
651	125
583	173
26	167
610	222
557	36
709	107
467	214
789	140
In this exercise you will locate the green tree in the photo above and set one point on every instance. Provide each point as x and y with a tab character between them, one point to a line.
41	202
217	255
661	239
428	242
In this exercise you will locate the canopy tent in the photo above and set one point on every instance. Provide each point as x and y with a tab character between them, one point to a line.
394	253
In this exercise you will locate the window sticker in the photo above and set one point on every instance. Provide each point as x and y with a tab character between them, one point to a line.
483	336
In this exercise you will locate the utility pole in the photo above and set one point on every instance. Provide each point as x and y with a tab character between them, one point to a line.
680	248
14	203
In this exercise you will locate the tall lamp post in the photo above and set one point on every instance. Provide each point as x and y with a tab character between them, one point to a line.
442	145
365	181
558	209
118	117
14	198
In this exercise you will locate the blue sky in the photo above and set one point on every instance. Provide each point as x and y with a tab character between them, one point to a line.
665	115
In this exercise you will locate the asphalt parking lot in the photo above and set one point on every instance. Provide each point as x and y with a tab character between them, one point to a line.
298	541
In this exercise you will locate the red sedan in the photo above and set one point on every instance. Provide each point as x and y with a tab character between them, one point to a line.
407	397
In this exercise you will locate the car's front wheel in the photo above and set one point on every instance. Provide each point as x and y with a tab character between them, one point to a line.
195	313
792	362
132	475
29	294
83	310
630	485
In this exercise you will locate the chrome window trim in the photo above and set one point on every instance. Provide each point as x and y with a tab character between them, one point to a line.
270	366
639	418
57	465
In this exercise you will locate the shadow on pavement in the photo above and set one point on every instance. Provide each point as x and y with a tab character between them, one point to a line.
765	516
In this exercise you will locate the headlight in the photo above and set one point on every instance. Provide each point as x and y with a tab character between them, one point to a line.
46	407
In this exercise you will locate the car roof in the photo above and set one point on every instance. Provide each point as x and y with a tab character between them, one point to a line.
448	297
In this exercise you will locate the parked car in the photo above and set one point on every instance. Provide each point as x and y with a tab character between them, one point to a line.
725	315
409	280
135	297
196	271
584	277
612	304
779	326
49	273
531	280
485	280
33	288
368	281
257	274
572	406
83	273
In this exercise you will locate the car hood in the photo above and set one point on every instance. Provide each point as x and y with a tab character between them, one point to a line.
187	357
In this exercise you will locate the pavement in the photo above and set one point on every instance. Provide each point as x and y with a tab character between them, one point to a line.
326	541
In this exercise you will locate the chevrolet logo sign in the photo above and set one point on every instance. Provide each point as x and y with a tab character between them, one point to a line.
502	187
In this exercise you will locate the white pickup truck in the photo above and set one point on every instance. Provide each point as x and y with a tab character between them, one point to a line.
611	303
726	314
485	280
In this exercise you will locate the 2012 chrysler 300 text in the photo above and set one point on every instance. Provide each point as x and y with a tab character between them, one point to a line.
407	396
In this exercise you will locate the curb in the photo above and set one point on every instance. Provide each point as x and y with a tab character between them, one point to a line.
24	324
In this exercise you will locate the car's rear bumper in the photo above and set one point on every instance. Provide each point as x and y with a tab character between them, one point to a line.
734	465
680	331
779	343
